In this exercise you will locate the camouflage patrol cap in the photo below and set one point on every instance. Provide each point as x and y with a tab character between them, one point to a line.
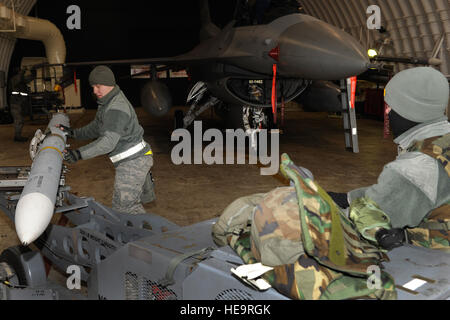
102	75
418	94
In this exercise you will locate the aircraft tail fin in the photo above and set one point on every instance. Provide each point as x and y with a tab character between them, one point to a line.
209	29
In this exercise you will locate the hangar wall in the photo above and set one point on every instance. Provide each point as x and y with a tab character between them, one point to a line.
414	27
7	42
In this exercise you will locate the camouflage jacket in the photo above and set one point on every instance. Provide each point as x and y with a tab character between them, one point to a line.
116	128
415	183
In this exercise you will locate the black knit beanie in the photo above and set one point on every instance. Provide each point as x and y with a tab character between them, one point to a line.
102	75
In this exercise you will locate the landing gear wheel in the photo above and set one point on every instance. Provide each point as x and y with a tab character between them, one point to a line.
178	119
256	118
12	257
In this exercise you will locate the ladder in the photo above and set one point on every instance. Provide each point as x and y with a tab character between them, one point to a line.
349	115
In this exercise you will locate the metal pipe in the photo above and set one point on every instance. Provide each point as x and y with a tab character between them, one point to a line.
37	29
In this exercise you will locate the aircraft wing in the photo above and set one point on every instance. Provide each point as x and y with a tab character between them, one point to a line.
211	50
185	59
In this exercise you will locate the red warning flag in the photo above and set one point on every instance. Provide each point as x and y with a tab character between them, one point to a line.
353	81
75	81
274	93
386	129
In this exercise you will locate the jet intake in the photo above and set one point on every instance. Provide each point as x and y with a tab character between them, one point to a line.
156	98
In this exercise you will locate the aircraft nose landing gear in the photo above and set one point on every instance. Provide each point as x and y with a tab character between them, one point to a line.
199	104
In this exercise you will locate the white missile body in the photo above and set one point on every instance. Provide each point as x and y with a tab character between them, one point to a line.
37	201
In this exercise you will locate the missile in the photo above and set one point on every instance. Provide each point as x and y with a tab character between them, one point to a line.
37	201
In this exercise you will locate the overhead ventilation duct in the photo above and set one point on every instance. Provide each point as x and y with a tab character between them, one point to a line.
25	27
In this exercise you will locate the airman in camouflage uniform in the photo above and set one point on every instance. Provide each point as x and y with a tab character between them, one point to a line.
117	132
314	249
417	183
320	251
131	187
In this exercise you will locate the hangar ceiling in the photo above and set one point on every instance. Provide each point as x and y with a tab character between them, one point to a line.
414	27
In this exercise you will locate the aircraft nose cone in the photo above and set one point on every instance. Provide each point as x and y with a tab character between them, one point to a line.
316	50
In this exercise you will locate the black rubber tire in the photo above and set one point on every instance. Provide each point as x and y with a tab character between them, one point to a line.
12	257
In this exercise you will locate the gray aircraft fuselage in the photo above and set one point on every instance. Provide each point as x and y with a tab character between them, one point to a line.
302	48
308	48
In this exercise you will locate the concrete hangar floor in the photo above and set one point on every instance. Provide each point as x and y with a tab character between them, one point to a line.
187	194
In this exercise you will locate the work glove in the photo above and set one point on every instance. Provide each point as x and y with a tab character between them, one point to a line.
72	156
68	131
340	199
390	238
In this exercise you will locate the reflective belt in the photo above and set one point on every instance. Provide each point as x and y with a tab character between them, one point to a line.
15	93
129	152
